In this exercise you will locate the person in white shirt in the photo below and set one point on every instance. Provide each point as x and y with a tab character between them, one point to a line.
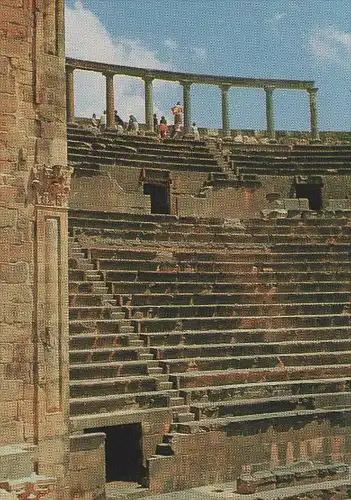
195	132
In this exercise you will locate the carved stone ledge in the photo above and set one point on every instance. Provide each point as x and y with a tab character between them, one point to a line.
50	186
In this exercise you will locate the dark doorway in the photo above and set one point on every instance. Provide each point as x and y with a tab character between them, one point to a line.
123	452
159	195
313	192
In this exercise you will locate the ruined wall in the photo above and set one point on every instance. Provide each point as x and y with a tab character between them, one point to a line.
33	343
221	455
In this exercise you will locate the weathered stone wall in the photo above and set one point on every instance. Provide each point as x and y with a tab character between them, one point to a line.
87	466
219	455
32	133
102	193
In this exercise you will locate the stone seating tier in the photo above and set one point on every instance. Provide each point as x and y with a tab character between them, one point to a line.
224	324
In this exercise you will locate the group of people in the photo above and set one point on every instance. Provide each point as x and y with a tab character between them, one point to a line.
160	127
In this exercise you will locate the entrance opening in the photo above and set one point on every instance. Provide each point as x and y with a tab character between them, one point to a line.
123	452
313	192
159	194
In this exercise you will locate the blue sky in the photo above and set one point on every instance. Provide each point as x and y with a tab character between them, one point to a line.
296	39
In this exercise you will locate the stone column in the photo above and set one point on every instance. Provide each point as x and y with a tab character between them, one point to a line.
70	94
110	101
313	113
225	110
270	112
149	107
187	106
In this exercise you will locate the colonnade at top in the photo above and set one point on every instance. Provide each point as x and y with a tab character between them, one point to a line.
187	80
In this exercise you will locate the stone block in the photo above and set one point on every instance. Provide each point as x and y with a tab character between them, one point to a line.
8	412
16	461
11	433
304	204
10	387
14	273
6	353
335	204
291	204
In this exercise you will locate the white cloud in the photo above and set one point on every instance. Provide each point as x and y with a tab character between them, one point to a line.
200	53
87	38
331	44
171	44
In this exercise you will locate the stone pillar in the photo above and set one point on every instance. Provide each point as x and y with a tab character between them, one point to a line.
187	106
110	101
70	94
270	112
225	110
313	113
149	107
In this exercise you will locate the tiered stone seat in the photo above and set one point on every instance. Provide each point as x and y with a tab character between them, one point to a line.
282	160
243	325
87	152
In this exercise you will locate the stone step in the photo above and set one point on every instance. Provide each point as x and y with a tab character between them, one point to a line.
185	365
162	236
240	376
164	385
82	326
243	336
222	423
147	325
265	389
181	351
138	265
85	287
271	296
229	310
93	341
119	402
116	386
112	369
101	354
176	401
95	312
275	404
204	288
184	417
244	255
91	299
155	370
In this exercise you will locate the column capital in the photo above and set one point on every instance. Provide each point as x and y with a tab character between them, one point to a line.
186	83
269	88
148	78
313	90
109	74
69	68
224	87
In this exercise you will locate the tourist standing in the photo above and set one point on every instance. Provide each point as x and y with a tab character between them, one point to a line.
163	127
102	123
177	112
155	123
195	132
133	125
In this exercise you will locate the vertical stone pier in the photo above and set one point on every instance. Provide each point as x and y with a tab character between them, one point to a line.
225	110
149	106
110	101
33	245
